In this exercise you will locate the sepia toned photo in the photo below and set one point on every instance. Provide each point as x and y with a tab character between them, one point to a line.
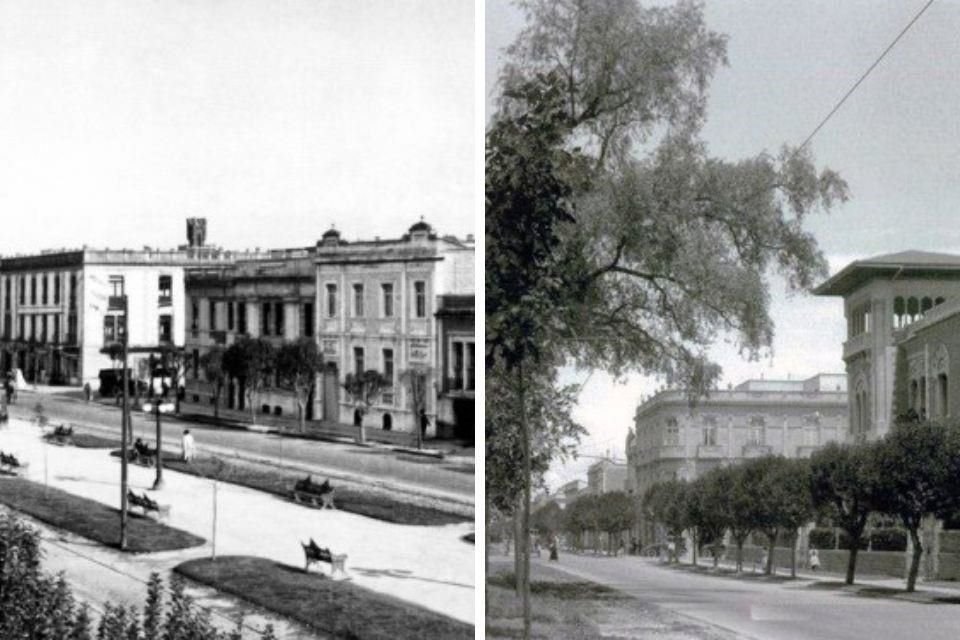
722	296
237	344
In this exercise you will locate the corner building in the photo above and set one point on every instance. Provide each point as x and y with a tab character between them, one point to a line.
672	440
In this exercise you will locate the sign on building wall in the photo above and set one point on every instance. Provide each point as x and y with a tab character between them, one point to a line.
330	348
419	350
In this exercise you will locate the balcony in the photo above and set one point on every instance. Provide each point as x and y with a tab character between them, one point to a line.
806	450
116	303
856	344
671	451
458	385
756	450
165	301
710	451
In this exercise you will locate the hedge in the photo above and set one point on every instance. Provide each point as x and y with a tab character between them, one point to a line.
888	539
821	538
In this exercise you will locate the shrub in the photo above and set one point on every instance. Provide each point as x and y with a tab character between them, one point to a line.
821	538
888	539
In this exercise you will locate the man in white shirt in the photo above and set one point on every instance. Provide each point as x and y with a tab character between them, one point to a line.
189	448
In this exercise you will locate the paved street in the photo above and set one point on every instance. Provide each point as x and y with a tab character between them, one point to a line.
380	465
763	610
426	565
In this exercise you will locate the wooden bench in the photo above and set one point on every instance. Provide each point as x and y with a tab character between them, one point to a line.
10	464
147	505
62	435
314	553
142	454
309	492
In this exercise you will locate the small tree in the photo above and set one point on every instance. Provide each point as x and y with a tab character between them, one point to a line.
175	361
616	513
364	389
913	471
841	480
211	363
549	518
251	361
417	379
788	491
665	502
706	511
298	365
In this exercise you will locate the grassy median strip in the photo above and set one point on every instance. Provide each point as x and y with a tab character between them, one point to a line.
338	608
279	482
91	519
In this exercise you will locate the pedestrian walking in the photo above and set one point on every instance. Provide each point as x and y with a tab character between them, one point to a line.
554	548
87	392
814	560
189	448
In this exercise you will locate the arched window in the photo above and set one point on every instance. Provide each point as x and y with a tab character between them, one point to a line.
913	308
938	301
925	305
943	400
899	309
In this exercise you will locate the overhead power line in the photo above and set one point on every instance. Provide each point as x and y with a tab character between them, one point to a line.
865	74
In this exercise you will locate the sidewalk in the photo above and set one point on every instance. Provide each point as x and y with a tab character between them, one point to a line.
290	426
427	566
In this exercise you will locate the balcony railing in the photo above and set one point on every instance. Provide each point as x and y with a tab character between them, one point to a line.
856	344
165	301
709	451
756	450
456	384
116	303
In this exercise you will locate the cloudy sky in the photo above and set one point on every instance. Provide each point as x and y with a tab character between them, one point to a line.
896	141
120	118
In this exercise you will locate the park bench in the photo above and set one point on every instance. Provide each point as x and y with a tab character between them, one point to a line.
62	435
314	553
147	505
9	464
310	492
141	453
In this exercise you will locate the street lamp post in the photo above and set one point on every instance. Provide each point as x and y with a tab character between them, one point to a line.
124	444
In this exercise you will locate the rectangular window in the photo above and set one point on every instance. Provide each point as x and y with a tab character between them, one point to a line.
241	317
6	293
44	289
194	314
23	290
109	329
166	328
116	285
358	301
213	315
420	298
458	365
230	322
387	299
55	338
33	326
388	365
165	291
358	360
331	301
672	434
72	328
73	291
21	321
307	321
196	364
33	289
7	329
121	327
56	288
43	328
471	376
278	319
265	318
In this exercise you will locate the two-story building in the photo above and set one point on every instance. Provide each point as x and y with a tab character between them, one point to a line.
673	440
377	303
883	297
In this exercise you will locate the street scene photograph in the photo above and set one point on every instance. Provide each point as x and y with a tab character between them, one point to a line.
237	338
722	320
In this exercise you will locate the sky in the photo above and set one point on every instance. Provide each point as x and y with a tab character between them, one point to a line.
895	141
274	120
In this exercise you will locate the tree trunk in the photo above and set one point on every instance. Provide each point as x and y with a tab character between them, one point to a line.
362	434
693	544
525	512
852	560
253	406
771	550
517	564
915	560
716	555
793	554
216	402
302	417
739	555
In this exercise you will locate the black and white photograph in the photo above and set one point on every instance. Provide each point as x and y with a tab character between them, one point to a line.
722	319
237	341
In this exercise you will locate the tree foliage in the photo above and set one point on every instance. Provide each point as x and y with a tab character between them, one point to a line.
364	388
252	362
298	365
211	363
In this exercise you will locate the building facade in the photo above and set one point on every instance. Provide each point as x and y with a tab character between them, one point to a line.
883	298
672	440
61	309
606	476
378	303
268	295
457	362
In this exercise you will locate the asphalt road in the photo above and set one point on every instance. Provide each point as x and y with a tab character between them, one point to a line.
379	464
759	609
